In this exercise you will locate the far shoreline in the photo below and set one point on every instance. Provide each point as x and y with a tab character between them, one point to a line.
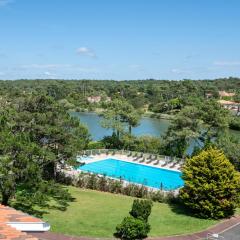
145	114
148	114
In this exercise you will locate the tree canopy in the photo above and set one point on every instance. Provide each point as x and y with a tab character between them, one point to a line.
37	136
118	115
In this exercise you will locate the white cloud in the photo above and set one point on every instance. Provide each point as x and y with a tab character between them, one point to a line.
86	52
46	66
47	73
180	71
4	2
50	75
227	63
174	70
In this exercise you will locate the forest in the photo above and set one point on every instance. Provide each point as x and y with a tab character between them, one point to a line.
156	96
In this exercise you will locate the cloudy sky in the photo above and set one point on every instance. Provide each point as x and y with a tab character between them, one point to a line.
119	39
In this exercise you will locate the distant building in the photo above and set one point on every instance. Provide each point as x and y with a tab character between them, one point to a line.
97	99
208	95
108	99
231	105
94	99
223	94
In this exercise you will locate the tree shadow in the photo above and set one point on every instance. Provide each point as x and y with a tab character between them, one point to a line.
57	197
180	209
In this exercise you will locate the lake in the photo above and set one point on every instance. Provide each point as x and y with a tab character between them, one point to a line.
148	126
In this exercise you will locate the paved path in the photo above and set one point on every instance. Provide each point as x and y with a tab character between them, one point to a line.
232	234
229	228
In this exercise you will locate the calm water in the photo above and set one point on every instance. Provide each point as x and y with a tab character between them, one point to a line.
136	173
148	126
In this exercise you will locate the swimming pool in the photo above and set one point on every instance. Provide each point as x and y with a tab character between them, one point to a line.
136	173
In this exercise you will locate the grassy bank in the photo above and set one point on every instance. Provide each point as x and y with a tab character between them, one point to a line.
97	214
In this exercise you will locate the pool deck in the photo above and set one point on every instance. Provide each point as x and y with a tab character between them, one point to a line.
100	157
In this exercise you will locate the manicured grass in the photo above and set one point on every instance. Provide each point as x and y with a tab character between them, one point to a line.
97	214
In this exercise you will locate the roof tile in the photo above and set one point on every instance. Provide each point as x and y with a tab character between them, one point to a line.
10	215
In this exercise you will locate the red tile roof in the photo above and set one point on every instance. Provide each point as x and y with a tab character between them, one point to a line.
9	233
10	215
225	102
226	94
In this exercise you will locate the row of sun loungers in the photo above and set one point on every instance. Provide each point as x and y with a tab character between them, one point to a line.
171	163
152	159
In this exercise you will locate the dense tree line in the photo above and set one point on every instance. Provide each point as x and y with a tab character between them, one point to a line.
154	95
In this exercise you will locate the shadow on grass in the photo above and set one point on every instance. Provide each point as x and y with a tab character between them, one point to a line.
180	209
38	210
57	197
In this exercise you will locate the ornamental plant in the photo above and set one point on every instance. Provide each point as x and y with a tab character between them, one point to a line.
132	228
212	185
141	209
135	226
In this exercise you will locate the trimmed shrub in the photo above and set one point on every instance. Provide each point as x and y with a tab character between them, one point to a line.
132	228
141	209
212	185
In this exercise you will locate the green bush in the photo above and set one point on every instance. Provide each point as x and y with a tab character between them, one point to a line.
112	142
132	228
141	209
235	123
211	187
102	183
158	196
95	145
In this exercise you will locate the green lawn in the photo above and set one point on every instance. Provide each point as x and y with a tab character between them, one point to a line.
97	214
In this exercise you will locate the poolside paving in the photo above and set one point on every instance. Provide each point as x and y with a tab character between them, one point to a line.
229	228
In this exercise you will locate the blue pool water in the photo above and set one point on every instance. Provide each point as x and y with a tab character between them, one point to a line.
136	173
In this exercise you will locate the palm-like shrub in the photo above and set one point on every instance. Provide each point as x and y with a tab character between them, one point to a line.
212	184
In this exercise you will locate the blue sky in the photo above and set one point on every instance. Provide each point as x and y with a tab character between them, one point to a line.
119	39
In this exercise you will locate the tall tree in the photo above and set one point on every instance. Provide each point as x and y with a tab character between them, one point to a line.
18	158
37	136
118	115
201	124
51	128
